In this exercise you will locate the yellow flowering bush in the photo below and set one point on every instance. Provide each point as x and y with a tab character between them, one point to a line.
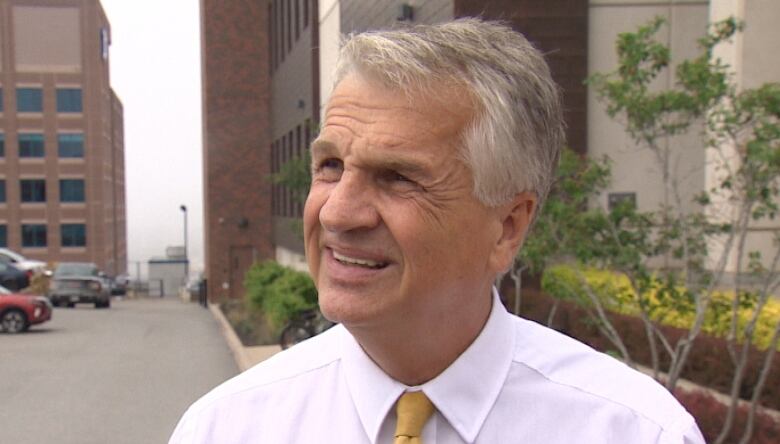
616	294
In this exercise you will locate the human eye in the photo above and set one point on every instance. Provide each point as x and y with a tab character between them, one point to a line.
329	169
398	180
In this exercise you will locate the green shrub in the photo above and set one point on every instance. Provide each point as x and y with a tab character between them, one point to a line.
281	293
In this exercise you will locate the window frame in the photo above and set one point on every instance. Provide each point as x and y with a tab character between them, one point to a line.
35	243
34	100
67	105
82	193
69	144
66	238
31	151
38	195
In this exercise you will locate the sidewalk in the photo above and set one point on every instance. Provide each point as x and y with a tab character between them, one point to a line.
245	357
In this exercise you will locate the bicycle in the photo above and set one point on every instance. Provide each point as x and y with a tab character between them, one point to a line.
305	325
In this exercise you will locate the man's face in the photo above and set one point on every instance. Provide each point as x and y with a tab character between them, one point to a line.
393	232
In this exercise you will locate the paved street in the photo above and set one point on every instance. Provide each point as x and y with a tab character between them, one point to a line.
122	375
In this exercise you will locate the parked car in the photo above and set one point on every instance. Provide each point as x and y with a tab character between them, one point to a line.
19	311
17	260
13	278
119	285
75	282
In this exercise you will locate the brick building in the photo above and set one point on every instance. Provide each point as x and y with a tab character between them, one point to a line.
62	195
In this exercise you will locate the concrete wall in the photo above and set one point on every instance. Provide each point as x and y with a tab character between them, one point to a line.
635	168
361	15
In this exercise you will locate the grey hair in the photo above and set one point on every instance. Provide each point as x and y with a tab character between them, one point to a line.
513	143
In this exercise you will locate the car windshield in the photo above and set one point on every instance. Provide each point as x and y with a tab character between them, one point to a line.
76	270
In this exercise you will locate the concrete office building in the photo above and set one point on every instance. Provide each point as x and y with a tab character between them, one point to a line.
62	195
753	57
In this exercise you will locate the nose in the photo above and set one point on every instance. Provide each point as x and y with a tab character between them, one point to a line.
349	206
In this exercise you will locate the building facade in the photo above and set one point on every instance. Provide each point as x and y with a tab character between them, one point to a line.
268	71
62	194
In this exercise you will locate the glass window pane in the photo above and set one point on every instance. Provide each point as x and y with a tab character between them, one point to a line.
73	235
2	190
33	235
70	145
33	190
3	236
72	190
31	145
2	144
29	100
69	100
2	107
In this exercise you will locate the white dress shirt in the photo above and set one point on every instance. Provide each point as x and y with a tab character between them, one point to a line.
518	382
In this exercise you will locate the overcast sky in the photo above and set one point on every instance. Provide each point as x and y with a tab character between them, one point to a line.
155	71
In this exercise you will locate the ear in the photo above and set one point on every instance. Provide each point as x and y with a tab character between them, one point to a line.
516	216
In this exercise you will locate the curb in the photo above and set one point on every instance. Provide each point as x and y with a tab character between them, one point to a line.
236	347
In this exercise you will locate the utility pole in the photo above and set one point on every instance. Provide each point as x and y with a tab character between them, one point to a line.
183	208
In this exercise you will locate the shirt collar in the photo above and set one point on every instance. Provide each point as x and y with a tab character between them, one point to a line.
464	393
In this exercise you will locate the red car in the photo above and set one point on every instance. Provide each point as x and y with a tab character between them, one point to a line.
19	311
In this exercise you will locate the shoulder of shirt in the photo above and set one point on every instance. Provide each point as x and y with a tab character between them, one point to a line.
567	362
302	359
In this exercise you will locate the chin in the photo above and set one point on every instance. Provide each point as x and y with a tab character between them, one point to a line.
348	309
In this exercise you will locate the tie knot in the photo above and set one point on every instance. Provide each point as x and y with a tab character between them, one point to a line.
413	409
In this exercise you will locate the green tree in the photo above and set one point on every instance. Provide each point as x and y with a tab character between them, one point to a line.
688	243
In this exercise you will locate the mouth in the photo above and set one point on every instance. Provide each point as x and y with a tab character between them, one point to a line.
358	262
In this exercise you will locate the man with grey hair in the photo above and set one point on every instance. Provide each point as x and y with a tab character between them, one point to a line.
439	144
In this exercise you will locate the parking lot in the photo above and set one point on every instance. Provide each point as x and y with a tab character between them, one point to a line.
118	375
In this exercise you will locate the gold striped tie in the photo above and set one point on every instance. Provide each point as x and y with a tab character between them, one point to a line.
413	409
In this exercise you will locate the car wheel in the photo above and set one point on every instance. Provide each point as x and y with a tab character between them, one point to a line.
70	305
14	321
55	302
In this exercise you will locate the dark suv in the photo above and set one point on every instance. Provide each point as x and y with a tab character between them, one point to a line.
75	282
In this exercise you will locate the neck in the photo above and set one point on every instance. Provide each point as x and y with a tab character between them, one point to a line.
428	345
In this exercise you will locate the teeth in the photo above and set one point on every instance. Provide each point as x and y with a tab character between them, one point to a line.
351	260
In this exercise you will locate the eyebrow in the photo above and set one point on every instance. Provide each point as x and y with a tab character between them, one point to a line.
323	148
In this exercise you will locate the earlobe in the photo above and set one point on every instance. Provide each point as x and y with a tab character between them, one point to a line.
516	217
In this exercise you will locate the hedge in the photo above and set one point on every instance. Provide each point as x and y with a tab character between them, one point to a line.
281	293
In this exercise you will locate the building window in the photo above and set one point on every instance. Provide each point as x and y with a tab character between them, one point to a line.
70	145
29	100
31	145
272	34
33	235
297	20
2	145
73	235
305	13
3	236
2	107
289	26
2	190
69	100
33	190
72	190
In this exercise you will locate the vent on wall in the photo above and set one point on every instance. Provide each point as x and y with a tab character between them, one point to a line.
615	199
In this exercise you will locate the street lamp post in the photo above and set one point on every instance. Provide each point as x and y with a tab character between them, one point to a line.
183	208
